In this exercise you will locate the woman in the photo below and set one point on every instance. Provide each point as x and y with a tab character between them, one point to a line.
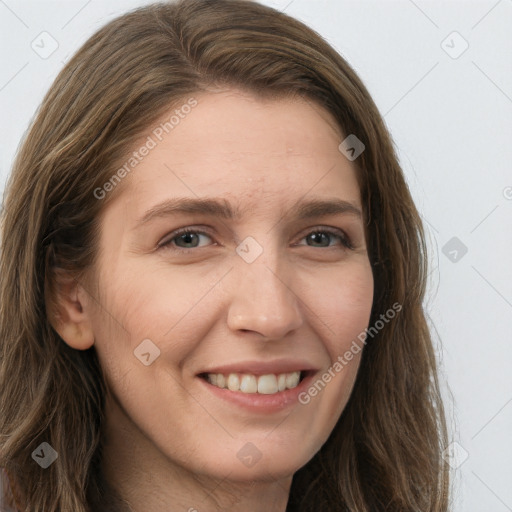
212	281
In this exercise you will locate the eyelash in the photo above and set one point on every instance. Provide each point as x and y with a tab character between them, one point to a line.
345	240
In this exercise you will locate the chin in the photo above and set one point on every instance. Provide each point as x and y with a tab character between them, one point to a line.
259	460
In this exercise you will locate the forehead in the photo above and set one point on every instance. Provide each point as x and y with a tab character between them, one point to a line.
254	151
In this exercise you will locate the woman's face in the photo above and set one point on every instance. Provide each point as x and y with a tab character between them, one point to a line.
262	286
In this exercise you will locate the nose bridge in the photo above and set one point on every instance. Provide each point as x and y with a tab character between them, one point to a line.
263	299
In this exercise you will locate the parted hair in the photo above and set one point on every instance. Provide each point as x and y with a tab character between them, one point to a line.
385	452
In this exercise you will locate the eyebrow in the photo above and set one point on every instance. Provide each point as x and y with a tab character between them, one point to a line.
221	208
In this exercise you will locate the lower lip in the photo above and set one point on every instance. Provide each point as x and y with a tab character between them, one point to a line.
258	402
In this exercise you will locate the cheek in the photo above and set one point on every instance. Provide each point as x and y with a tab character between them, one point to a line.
141	302
344	304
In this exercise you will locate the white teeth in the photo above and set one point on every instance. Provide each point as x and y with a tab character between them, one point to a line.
292	380
233	382
281	382
247	383
221	380
267	384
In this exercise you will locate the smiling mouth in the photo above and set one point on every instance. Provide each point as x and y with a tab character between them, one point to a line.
268	384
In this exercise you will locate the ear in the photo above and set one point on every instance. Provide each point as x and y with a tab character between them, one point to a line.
67	306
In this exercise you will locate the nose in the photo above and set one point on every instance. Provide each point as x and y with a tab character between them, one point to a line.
263	300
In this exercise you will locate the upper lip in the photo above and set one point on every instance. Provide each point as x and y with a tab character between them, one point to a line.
262	367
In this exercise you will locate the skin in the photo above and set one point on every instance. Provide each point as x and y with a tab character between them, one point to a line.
171	445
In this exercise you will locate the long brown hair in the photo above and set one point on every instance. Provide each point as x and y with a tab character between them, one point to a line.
385	451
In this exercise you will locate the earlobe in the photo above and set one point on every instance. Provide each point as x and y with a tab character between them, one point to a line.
68	313
76	336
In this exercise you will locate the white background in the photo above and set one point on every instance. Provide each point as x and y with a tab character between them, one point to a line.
451	121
